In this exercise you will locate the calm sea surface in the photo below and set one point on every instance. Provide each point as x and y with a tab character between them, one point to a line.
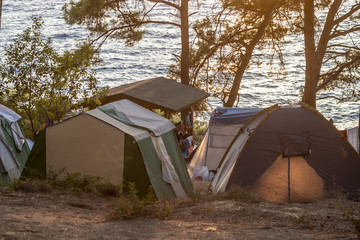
152	56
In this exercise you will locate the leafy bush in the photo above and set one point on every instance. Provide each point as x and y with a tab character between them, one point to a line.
130	206
199	132
74	182
33	185
79	183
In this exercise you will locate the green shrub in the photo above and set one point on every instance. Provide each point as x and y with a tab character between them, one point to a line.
130	206
85	184
33	185
199	131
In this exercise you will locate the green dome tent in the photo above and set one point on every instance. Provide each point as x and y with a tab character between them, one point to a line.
14	149
120	141
289	153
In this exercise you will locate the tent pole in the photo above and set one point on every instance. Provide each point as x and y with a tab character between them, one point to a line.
289	179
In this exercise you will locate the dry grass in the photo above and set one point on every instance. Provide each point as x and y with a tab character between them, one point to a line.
60	214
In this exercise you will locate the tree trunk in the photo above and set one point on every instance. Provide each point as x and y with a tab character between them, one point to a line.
0	11
309	96
237	80
247	57
185	49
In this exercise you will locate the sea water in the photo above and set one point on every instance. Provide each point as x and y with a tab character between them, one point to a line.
152	56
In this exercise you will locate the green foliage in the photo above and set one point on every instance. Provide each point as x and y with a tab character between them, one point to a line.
227	40
83	184
130	206
353	216
33	185
118	19
43	85
199	131
65	181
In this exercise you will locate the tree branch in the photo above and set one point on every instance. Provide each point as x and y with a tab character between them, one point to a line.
109	32
343	33
334	75
353	10
166	3
326	32
320	98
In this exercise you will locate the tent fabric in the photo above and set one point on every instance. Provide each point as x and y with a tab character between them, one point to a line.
158	93
228	161
9	164
134	167
14	150
162	189
13	118
226	115
314	159
137	133
174	151
168	170
224	124
37	157
17	135
138	116
98	144
353	137
60	152
9	114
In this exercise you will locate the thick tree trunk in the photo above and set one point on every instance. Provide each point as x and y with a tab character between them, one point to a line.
309	96
185	49
237	80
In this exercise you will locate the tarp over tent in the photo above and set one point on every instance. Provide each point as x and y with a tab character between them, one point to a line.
14	149
224	124
158	93
122	142
289	153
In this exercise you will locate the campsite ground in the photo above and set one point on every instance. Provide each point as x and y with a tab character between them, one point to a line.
61	215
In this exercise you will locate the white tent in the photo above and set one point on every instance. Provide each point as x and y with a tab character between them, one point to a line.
223	126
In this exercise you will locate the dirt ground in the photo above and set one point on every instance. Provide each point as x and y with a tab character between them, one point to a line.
60	215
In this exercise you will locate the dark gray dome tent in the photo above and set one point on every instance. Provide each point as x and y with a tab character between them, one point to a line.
289	153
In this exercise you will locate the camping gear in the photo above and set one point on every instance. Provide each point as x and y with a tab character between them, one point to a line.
120	141
224	124
289	154
14	149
